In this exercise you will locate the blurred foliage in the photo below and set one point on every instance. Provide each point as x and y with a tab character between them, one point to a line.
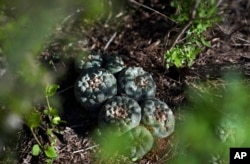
215	120
25	26
130	146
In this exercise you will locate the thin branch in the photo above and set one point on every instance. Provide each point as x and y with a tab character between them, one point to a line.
238	28
34	135
83	150
64	90
184	29
71	15
191	19
218	3
238	44
177	38
110	40
244	40
151	9
193	13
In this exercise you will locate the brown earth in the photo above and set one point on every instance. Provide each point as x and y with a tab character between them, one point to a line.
141	36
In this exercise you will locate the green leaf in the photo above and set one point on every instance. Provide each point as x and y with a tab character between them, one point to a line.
205	43
52	111
49	161
33	119
56	120
35	150
51	152
51	89
50	132
46	112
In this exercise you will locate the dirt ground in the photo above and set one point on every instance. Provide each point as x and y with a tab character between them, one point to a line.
141	36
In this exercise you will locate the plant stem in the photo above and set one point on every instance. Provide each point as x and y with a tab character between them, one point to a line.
48	104
34	135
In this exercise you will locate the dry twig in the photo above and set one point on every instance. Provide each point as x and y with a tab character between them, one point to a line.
151	9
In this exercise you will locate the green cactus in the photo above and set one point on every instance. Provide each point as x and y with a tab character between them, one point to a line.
120	114
158	116
227	130
87	61
133	144
94	87
113	63
139	141
136	83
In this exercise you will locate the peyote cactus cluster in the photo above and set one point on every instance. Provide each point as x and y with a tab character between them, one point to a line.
123	99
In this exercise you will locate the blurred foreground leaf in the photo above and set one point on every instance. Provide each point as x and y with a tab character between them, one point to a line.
215	120
51	89
33	119
51	152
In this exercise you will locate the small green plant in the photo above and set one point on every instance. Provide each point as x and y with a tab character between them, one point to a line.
48	120
182	55
214	120
196	17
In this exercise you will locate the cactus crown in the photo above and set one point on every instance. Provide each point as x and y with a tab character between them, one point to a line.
94	87
139	142
120	112
136	83
141	81
158	116
95	82
113	63
87	61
